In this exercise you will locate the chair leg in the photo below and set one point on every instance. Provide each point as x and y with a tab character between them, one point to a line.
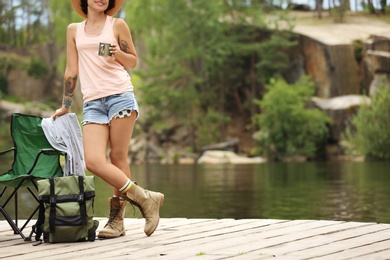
11	222
35	211
5	213
16	210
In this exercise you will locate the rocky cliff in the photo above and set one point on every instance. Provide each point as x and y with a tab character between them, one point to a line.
347	63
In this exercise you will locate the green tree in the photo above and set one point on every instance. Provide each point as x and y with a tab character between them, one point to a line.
37	68
23	22
60	15
369	134
185	43
200	58
288	127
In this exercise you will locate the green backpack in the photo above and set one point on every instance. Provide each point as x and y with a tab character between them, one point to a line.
66	210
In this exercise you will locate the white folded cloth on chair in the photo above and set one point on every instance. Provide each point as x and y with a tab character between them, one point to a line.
64	134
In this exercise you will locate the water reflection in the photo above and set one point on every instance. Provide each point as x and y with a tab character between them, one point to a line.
334	191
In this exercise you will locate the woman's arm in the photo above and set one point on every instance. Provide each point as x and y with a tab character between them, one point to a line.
125	54
71	71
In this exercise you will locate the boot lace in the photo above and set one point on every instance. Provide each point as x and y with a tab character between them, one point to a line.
135	203
114	213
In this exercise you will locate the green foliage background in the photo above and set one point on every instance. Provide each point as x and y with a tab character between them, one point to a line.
288	127
203	59
369	134
203	63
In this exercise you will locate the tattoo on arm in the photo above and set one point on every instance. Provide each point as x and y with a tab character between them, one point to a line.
125	46
69	88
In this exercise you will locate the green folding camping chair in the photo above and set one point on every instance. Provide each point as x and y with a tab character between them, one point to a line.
34	158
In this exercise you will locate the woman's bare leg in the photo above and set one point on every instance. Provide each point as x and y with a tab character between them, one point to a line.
121	131
95	139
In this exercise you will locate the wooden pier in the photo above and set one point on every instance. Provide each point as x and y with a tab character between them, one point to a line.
180	238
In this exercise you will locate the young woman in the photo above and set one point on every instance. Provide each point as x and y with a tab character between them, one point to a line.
110	107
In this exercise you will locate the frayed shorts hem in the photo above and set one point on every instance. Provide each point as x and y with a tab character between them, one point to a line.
104	110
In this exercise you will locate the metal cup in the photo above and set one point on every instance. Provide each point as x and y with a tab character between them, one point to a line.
104	49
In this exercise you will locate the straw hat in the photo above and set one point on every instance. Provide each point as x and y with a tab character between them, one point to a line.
77	7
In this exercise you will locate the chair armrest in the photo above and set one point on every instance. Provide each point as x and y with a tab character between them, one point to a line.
46	151
49	151
6	151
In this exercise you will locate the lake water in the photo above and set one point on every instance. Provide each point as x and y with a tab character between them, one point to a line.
350	191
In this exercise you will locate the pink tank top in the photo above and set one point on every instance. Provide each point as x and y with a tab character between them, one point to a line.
100	76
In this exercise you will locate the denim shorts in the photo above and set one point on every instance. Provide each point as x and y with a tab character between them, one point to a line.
103	110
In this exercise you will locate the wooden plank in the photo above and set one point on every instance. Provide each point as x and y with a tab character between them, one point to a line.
134	230
381	255
361	251
355	238
162	237
240	242
293	244
228	243
236	245
195	245
181	238
312	238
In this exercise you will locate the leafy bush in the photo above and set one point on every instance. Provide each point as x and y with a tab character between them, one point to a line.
11	61
209	127
3	85
287	126
5	137
369	133
37	68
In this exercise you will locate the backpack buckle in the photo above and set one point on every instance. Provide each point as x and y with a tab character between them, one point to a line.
52	201
80	198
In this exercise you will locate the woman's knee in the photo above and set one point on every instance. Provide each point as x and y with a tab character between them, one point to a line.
119	158
93	165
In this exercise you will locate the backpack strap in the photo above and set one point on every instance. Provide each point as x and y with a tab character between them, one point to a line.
81	201
37	228
52	215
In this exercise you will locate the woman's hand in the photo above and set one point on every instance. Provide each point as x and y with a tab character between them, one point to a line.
60	112
113	50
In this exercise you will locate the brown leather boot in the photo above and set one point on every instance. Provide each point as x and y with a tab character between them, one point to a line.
149	203
114	227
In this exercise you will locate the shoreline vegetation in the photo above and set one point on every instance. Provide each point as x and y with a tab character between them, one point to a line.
202	118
